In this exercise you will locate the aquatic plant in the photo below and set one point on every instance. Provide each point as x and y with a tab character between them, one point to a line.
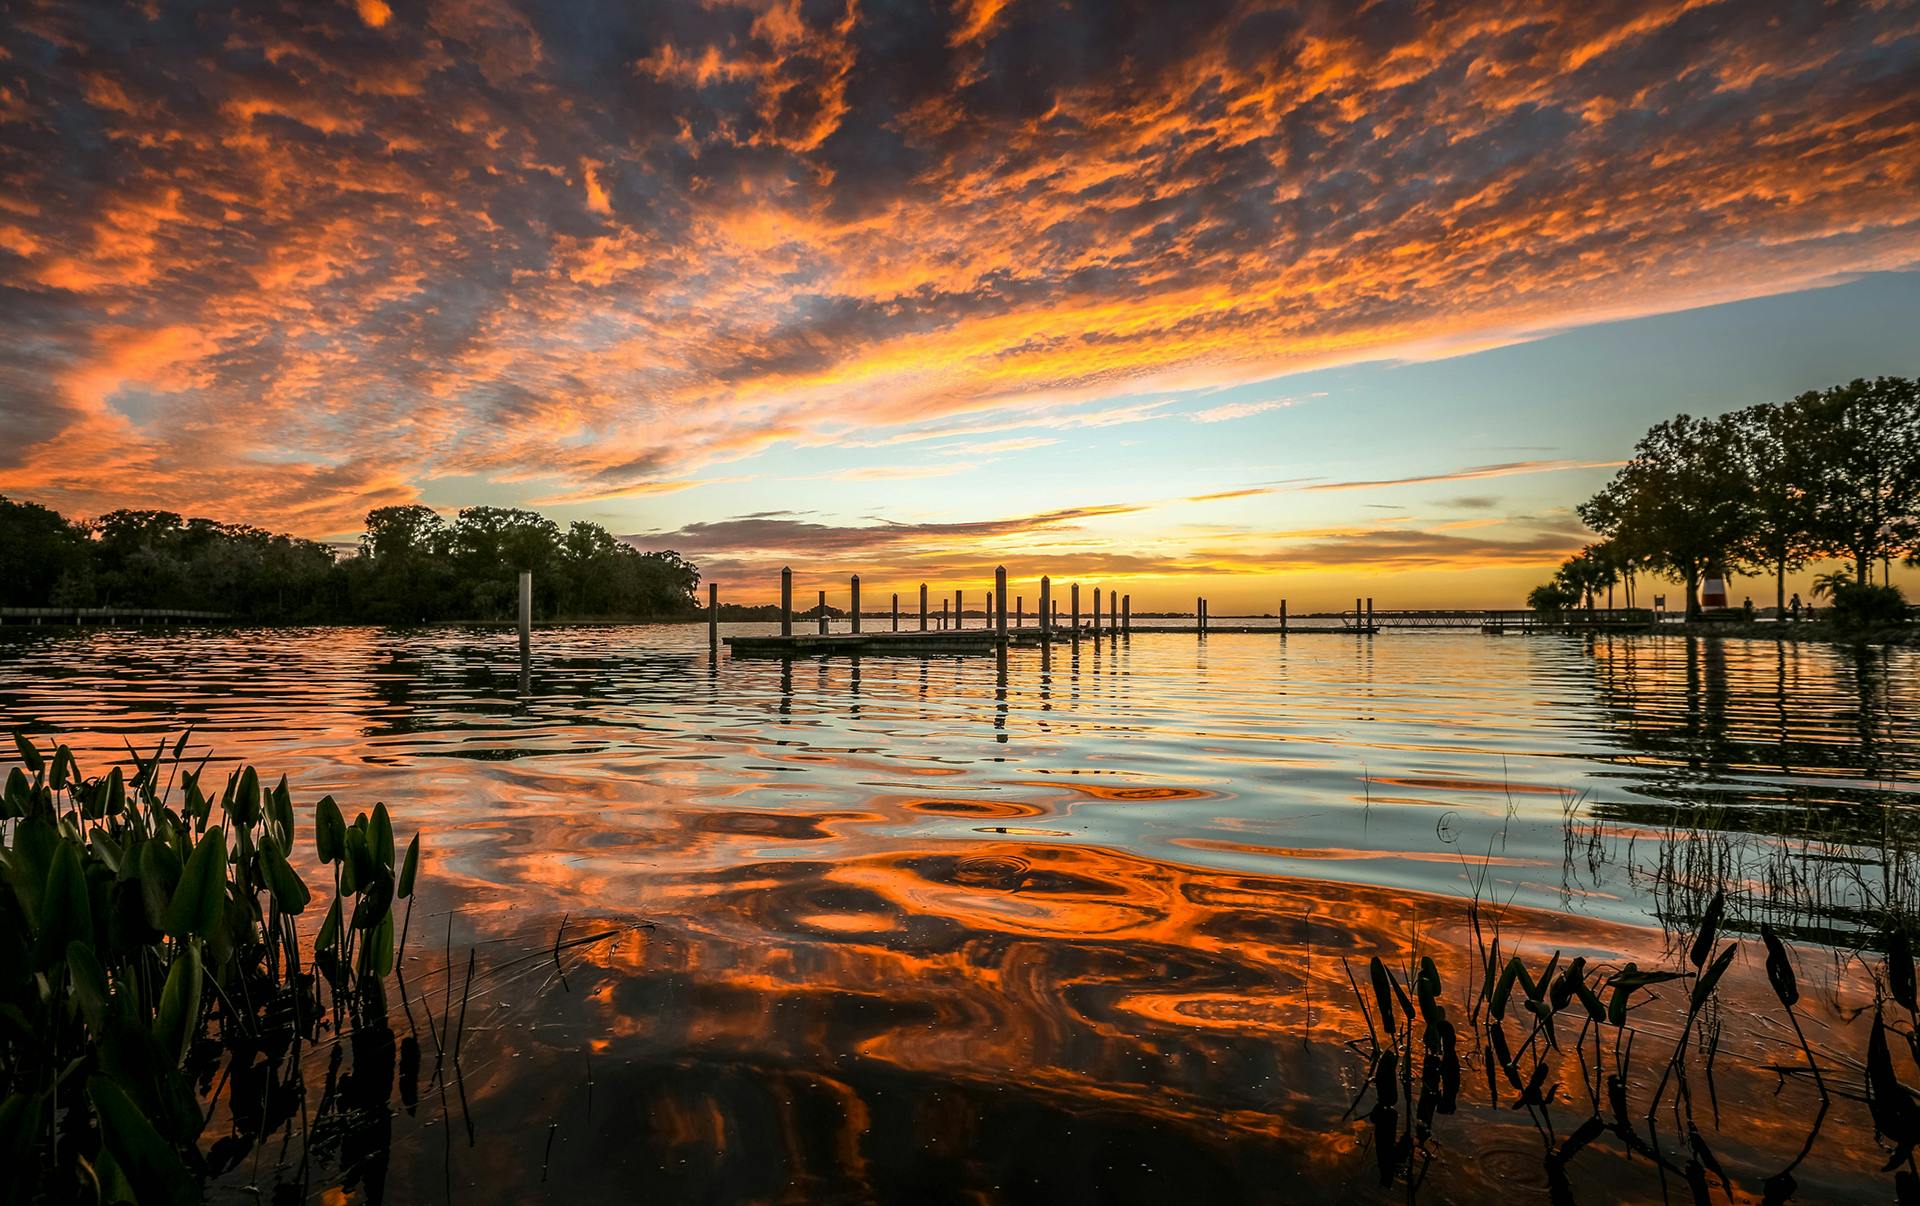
148	940
1844	876
1530	1074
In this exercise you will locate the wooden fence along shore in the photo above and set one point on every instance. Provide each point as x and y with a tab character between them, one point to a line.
945	630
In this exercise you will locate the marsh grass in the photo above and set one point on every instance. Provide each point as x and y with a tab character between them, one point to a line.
1818	875
1567	1041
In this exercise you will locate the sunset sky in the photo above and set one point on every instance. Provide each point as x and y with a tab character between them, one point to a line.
1215	298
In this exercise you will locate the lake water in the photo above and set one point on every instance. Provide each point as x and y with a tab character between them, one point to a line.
1070	925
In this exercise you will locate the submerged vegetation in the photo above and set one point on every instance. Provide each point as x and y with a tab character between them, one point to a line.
1832	473
151	957
1588	1039
410	566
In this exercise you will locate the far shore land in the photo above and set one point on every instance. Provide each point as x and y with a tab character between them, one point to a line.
1763	627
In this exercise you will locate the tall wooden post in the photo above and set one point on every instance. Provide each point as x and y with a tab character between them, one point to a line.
1126	614
923	607
713	615
1076	611
896	611
823	613
1199	614
1019	611
855	587
989	609
1046	609
526	614
1096	611
959	609
1359	617
786	602
1283	617
1000	607
1369	613
946	614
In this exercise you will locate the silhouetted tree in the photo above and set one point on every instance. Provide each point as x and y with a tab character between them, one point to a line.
1863	444
412	566
42	557
1682	505
1775	447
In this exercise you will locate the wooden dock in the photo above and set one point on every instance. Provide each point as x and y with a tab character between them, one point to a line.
1006	623
815	644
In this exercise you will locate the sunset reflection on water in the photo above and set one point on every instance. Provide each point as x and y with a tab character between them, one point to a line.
1079	926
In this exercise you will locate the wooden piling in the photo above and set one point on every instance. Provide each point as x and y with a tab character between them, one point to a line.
923	607
1046	609
823	611
959	610
1283	617
1019	611
1000	593
786	602
1076	611
1096	611
713	615
526	614
1199	614
1126	614
854	586
1359	617
896	611
1369	613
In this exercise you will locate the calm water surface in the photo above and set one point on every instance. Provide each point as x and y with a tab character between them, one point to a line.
947	929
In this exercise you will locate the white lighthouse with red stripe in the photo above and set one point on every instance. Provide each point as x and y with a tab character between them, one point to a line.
1713	589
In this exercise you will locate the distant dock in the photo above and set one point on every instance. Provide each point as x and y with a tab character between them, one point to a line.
1006	623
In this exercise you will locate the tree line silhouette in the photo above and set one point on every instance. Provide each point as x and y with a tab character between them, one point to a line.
1767	490
410	566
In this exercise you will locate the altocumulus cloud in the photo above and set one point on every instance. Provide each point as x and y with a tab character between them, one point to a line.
282	261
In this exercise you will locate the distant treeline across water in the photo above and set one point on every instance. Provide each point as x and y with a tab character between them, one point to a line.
411	566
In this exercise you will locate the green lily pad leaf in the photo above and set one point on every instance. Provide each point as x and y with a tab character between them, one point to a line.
202	893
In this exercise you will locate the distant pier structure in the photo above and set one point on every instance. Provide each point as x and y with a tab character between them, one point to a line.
1004	622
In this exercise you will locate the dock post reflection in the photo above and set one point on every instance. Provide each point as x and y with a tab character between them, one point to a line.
1000	695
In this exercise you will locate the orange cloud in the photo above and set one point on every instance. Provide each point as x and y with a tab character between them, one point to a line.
611	252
